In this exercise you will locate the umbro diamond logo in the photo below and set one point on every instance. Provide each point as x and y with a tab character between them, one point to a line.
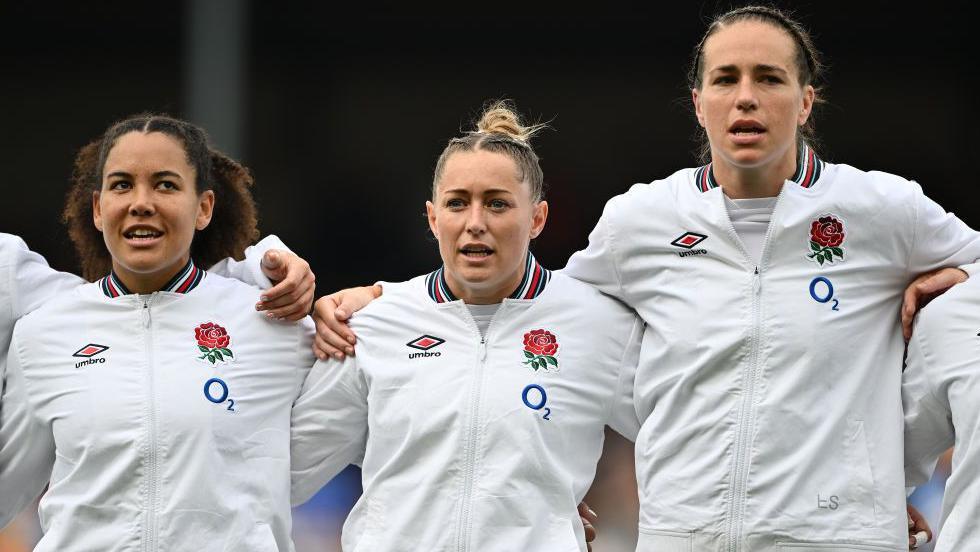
89	351
424	343
688	240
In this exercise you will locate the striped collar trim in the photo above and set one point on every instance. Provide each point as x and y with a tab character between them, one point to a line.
809	167
186	279
536	278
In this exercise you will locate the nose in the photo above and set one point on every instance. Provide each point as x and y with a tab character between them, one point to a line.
476	223
142	201
747	99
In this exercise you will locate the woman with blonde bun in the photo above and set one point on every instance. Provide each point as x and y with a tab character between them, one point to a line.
477	401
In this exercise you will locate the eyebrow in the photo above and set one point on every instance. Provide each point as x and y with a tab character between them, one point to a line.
760	68
485	192
157	174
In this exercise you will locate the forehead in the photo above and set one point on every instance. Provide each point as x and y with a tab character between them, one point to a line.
134	151
745	44
479	170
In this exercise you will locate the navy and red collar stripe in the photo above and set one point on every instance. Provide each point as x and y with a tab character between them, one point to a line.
187	278
536	278
808	170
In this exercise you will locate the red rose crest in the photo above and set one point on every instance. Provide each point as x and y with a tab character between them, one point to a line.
213	341
540	349
826	238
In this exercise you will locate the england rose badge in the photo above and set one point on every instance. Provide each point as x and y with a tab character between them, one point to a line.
540	350
827	239
213	341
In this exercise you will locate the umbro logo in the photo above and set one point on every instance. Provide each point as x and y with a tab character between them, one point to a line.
89	351
688	240
424	343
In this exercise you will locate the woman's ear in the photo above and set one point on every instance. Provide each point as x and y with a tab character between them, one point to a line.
96	211
205	208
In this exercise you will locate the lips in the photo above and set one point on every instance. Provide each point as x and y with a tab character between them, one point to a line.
746	127
476	251
142	234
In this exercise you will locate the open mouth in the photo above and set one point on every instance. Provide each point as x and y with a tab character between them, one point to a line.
476	251
746	129
139	234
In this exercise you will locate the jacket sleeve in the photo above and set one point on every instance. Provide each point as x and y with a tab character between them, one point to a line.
928	420
249	270
26	445
598	264
30	282
940	239
329	426
622	416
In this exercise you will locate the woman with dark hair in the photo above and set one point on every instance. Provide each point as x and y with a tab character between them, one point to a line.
769	379
149	400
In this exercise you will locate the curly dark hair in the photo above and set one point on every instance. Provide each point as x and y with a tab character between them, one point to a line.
234	222
808	61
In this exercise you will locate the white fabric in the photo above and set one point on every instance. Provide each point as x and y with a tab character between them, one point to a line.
762	407
750	218
249	270
27	282
452	458
482	315
941	395
137	455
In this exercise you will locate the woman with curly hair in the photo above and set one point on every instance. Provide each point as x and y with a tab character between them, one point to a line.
149	400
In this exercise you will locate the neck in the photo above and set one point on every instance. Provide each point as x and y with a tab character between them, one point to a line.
754	182
482	294
486	293
148	282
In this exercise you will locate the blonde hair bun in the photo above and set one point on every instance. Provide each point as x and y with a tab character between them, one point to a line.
500	118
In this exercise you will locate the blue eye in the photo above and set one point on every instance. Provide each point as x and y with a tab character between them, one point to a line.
498	204
455	203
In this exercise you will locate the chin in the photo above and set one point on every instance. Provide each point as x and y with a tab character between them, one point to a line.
143	262
750	158
471	275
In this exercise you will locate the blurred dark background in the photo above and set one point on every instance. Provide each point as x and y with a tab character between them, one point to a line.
340	110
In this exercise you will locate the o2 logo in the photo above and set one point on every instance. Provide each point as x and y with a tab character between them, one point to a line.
822	291
535	398
216	391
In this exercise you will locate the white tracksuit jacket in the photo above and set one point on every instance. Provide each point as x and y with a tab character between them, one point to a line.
941	395
463	445
770	395
155	438
26	282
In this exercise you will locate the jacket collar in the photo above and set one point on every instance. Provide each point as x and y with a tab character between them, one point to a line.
808	170
187	278
536	278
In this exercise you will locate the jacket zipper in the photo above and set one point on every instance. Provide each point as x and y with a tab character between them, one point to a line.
472	444
149	541
747	410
